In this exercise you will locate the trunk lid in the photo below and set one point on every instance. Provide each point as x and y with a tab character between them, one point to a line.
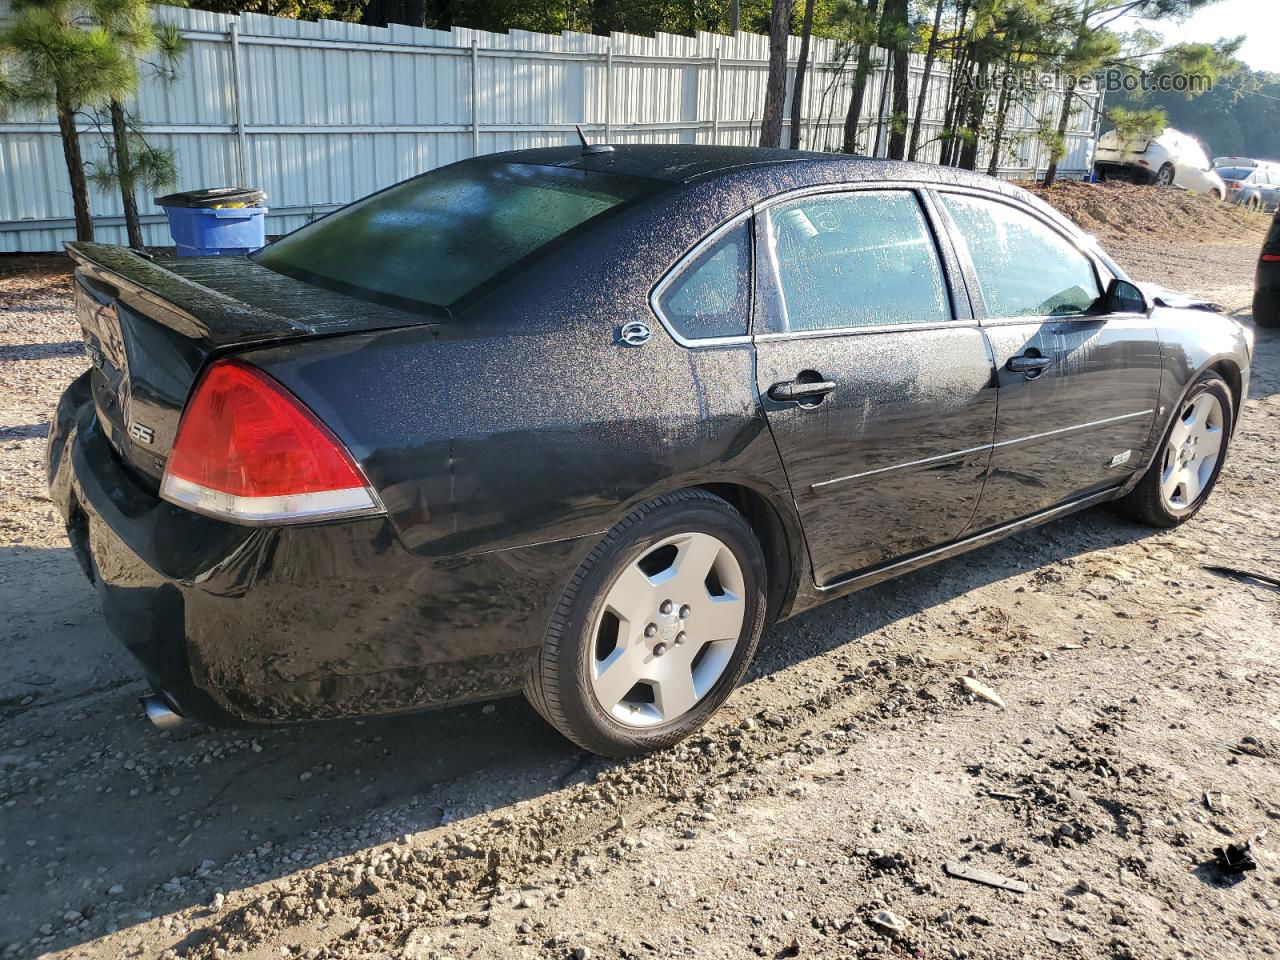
150	326
1113	147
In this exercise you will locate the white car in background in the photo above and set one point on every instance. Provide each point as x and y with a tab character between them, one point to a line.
1170	159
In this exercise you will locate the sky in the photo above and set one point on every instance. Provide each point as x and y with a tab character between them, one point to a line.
1258	20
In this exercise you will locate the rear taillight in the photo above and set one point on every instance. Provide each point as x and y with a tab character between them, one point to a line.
247	450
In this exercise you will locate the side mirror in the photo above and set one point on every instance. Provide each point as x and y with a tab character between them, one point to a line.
1123	297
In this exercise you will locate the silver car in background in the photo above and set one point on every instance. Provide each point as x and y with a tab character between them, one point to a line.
1253	184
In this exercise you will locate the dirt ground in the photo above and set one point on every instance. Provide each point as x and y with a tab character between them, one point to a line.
811	819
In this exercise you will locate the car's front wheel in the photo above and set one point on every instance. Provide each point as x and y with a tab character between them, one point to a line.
655	629
1184	472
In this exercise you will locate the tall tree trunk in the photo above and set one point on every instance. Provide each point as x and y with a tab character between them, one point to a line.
975	115
124	175
863	70
957	101
75	171
931	54
1002	113
1060	142
735	16
797	89
775	93
896	28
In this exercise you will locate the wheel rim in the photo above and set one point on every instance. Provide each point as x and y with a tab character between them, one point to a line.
667	629
1164	177
1192	453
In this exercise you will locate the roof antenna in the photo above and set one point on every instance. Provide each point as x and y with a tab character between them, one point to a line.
588	147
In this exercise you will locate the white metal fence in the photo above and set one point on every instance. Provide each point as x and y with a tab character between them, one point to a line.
319	114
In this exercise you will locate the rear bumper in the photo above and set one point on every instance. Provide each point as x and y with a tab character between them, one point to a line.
264	625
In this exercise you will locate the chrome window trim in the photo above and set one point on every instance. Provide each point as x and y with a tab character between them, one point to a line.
866	329
917	189
668	278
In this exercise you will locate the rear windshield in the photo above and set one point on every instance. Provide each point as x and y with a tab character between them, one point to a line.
443	238
1234	173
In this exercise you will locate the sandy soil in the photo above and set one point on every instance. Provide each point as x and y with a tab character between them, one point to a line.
1142	729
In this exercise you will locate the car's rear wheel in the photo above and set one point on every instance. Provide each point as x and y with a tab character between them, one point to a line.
1164	176
1183	474
655	629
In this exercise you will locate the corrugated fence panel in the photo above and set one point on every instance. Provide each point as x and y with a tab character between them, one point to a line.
328	112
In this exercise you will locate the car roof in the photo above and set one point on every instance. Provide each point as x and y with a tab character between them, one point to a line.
685	163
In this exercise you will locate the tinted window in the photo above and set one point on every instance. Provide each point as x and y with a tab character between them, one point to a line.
1234	173
1024	267
711	296
855	260
440	237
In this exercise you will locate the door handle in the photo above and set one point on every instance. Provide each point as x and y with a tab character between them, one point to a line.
801	389
1031	364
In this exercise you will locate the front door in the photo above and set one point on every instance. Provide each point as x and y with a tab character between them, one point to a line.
877	383
1078	391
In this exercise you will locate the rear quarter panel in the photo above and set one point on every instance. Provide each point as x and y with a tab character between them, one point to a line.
525	420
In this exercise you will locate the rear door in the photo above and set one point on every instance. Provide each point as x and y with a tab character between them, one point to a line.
1268	186
876	380
1078	391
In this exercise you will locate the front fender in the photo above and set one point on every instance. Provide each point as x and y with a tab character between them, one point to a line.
1192	342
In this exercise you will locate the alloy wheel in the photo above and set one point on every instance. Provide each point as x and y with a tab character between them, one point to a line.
1192	452
667	629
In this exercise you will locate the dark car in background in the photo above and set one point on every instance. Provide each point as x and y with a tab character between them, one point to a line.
1266	280
583	422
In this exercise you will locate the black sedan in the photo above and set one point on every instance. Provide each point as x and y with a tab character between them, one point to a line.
1266	280
583	422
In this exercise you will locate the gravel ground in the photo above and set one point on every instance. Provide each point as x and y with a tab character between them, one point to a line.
813	818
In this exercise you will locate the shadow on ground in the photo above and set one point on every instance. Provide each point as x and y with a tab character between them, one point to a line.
94	798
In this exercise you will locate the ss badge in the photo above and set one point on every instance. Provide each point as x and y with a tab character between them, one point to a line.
635	333
142	433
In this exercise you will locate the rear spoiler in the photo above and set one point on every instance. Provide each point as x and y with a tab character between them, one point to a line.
183	305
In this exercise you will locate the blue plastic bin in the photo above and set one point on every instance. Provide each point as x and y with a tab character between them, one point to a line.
202	225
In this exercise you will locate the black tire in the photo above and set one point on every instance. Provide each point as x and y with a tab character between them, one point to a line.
1164	176
1144	503
559	687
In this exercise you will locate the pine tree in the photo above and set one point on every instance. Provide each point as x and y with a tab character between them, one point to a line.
56	58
